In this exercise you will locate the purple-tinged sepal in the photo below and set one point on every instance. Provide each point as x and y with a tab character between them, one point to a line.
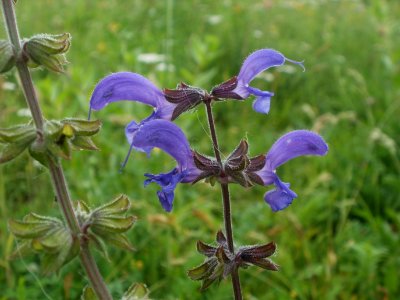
220	262
225	89
184	97
291	145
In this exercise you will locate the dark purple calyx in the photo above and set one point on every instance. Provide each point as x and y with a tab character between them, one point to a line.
237	168
208	166
225	89
221	262
185	97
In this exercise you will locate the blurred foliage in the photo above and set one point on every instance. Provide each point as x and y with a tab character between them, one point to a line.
338	240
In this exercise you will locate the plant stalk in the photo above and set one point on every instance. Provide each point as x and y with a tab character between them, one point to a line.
225	201
56	171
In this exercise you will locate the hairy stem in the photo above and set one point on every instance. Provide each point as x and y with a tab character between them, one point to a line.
26	80
225	200
56	171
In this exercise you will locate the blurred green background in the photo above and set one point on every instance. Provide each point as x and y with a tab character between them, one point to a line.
338	240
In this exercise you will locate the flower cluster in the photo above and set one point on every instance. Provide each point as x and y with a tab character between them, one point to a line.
157	130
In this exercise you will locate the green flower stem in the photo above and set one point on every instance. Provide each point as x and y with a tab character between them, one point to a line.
56	171
225	200
23	71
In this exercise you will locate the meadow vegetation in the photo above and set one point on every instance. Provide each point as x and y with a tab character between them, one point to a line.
338	240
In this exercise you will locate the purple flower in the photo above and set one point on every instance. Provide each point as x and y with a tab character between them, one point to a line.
239	88
169	138
291	145
133	87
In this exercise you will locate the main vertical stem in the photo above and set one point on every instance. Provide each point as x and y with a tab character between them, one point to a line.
56	171
225	200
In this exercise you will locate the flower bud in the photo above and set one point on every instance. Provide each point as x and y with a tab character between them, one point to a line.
7	56
47	50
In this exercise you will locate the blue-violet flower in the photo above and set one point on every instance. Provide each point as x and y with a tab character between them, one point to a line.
238	87
289	146
169	138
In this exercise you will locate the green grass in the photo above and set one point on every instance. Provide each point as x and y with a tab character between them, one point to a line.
338	240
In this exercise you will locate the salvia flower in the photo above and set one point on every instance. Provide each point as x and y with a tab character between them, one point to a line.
289	146
238	87
169	138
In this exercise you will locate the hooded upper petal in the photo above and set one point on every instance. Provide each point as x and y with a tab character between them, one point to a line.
258	62
166	136
133	87
125	86
294	144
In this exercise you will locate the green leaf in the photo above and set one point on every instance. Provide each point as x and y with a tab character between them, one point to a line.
7	56
117	206
11	151
33	217
82	207
113	224
137	291
23	249
83	143
19	133
55	240
117	240
22	229
83	127
99	245
52	262
62	150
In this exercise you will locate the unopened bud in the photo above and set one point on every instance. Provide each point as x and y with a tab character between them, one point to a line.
7	56
47	50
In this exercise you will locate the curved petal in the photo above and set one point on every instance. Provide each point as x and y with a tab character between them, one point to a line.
259	61
166	136
167	182
294	144
280	197
263	100
126	86
256	63
262	105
